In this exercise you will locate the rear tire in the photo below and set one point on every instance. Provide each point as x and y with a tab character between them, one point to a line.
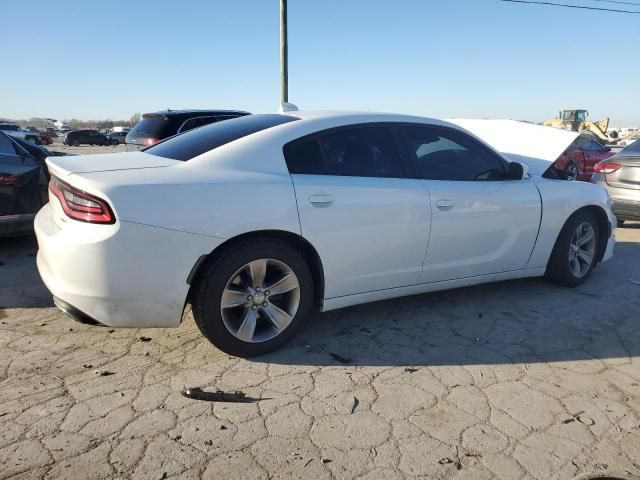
575	252
76	143
234	274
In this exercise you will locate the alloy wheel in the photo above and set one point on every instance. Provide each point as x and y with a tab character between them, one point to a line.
260	300
582	249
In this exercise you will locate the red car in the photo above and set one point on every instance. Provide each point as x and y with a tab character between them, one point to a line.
45	139
578	159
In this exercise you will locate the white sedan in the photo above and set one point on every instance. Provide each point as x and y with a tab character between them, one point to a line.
258	220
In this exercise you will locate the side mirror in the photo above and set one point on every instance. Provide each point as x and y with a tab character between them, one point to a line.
517	171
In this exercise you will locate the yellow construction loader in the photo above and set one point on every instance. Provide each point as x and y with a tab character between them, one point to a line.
576	120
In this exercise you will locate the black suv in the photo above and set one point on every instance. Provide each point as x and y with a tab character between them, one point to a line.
86	137
157	126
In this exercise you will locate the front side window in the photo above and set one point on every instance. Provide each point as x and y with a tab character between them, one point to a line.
360	151
446	154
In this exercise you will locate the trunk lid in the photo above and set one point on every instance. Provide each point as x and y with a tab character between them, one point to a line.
628	176
68	165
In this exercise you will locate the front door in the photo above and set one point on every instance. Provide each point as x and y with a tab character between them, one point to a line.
481	222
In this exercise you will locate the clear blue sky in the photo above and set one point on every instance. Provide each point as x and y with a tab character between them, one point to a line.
463	58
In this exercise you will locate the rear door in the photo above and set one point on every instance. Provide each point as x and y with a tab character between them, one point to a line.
481	223
368	221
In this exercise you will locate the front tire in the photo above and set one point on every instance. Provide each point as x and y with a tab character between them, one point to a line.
575	252
254	298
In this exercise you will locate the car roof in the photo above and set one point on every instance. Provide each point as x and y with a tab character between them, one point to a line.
363	116
170	113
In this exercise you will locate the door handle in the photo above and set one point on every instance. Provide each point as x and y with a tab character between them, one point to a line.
444	204
321	199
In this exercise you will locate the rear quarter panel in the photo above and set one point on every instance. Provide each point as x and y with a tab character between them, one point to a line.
560	200
234	191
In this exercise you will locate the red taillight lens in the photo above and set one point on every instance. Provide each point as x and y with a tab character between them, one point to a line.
80	205
606	167
8	179
150	141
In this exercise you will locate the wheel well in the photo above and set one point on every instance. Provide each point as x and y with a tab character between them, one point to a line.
603	224
290	239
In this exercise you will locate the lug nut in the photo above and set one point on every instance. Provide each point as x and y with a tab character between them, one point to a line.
254	307
249	298
267	293
265	304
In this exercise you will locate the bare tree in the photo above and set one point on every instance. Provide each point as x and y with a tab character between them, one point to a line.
135	118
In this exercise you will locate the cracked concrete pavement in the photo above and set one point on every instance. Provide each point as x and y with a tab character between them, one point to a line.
514	380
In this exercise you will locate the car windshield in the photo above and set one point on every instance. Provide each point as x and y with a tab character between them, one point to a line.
188	145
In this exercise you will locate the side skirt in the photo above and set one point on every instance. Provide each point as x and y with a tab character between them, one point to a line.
349	300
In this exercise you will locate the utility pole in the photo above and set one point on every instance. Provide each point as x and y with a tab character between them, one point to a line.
284	54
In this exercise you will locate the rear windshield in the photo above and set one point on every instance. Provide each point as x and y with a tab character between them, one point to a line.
630	150
150	126
188	145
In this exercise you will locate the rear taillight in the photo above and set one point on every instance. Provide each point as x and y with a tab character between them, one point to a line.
151	141
80	205
8	179
606	167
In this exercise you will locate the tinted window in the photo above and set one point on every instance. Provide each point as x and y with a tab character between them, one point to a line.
592	146
188	145
306	157
368	151
6	145
197	122
443	154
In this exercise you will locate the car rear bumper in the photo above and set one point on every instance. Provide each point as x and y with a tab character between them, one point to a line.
625	201
121	275
626	210
16	224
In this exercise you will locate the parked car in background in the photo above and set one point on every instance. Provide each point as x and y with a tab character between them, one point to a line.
44	139
577	162
17	132
23	184
620	175
86	137
117	137
157	126
258	220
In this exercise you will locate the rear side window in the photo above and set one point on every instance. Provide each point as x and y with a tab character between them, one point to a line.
444	154
196	122
364	151
188	145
